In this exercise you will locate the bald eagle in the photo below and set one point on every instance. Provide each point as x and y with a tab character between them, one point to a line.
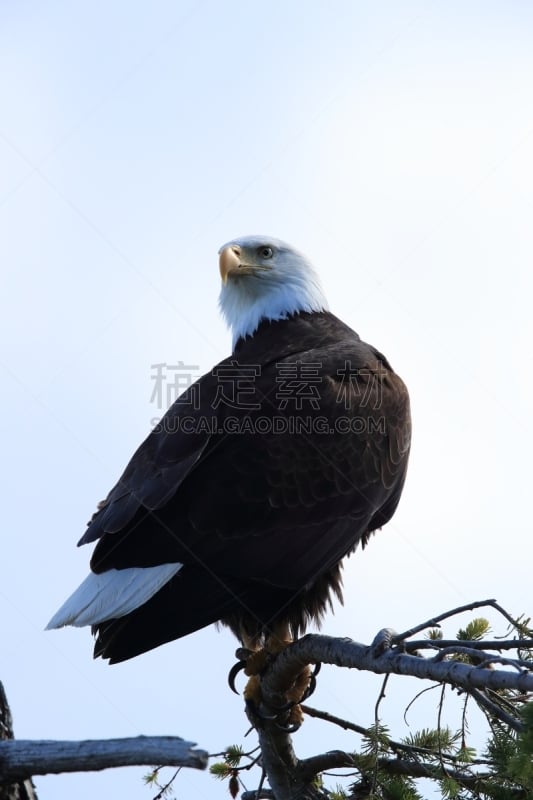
241	504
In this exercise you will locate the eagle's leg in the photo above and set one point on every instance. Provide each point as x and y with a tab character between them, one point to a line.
257	662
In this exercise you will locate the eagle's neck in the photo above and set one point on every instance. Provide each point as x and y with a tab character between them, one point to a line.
274	341
245	304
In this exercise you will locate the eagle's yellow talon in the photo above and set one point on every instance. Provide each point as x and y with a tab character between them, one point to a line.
256	663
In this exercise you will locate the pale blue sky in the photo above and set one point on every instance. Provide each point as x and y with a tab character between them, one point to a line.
390	141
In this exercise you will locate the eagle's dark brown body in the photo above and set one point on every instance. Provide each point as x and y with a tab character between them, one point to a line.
309	458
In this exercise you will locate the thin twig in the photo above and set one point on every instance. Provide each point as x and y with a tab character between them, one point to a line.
163	789
342	723
439	728
224	753
464	722
376	722
482	658
380	698
416	697
513	622
434	621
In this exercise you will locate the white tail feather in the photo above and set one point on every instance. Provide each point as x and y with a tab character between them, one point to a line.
112	594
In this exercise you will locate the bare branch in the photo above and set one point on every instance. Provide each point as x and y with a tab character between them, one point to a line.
164	787
439	729
20	758
376	715
330	760
434	621
481	658
315	648
327	717
417	696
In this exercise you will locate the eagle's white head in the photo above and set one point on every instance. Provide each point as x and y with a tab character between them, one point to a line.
264	278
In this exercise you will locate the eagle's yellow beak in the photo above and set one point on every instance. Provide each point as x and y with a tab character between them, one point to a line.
229	261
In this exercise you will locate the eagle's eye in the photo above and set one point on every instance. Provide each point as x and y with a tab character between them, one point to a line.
265	252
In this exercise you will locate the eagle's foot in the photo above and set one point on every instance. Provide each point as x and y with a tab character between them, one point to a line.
254	662
291	712
252	698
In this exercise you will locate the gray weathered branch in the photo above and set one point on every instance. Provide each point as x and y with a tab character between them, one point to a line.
316	648
20	759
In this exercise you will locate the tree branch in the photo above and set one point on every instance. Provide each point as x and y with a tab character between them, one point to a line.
19	759
413	769
315	648
434	622
291	778
333	759
327	717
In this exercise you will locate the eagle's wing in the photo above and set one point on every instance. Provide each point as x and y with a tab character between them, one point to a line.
158	466
283	487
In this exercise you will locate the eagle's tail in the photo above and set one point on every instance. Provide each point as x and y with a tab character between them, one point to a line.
111	594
